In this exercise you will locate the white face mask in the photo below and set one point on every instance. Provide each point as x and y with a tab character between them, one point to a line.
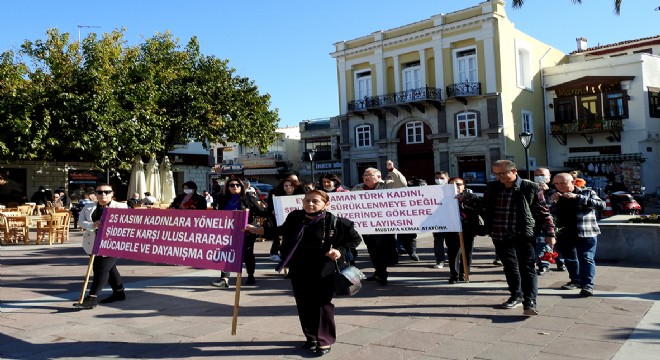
539	179
188	191
440	181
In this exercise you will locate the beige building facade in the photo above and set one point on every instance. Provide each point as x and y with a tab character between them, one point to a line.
451	93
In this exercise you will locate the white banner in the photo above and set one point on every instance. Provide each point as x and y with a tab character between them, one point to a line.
393	211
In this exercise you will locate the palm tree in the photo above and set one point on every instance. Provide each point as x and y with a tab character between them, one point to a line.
617	4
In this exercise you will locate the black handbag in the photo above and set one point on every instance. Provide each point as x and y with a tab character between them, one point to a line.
347	280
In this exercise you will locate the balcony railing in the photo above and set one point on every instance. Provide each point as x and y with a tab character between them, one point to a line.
399	98
463	89
586	126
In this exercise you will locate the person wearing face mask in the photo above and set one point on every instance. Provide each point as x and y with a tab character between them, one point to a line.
331	183
542	178
314	243
439	239
190	199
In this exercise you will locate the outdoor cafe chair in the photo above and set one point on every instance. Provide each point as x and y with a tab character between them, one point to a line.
56	228
25	209
16	229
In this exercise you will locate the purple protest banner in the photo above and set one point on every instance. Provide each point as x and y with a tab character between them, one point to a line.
200	239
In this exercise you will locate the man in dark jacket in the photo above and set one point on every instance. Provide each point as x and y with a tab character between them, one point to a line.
514	210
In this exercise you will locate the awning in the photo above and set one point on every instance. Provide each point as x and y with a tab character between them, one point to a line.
605	158
250	172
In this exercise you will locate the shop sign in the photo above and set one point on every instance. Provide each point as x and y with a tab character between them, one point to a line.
232	169
327	166
259	163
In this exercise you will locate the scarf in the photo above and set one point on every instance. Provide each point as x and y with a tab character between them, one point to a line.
301	232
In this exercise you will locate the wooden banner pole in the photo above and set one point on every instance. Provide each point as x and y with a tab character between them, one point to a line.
237	298
89	271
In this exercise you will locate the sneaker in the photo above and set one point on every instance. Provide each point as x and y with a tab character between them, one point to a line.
439	265
116	296
512	303
570	286
542	271
250	280
221	283
530	309
275	257
586	291
561	267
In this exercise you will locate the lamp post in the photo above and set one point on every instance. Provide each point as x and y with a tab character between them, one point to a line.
526	141
311	153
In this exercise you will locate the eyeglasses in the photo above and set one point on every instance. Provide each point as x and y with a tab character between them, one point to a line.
368	175
459	184
500	174
234	185
101	192
308	188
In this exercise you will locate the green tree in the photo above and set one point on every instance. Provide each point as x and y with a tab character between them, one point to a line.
617	5
106	102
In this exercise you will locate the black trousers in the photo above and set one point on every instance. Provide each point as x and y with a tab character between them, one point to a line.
518	257
248	255
454	253
105	271
382	251
316	312
409	242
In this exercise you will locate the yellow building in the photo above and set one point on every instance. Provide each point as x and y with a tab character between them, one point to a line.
451	92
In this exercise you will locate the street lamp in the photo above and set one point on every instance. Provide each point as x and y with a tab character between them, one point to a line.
311	153
526	141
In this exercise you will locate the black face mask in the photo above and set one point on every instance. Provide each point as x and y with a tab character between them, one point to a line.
316	213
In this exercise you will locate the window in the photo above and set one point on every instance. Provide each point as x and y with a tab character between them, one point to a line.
527	122
564	110
523	70
466	125
654	103
466	65
362	136
589	109
414	132
615	106
362	85
412	77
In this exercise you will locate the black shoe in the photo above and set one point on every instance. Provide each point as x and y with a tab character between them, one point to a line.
372	278
250	280
116	296
453	280
309	345
89	302
512	303
542	271
497	262
570	286
401	251
461	278
414	257
530	309
587	291
381	280
320	351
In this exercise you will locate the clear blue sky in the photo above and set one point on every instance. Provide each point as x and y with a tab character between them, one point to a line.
284	45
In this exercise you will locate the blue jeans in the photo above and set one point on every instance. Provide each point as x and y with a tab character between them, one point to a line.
579	253
540	245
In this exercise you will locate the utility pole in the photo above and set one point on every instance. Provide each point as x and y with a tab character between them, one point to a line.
87	27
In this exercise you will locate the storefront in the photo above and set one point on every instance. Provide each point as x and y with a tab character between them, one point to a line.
596	170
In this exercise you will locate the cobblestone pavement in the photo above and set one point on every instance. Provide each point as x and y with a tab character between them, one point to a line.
171	312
